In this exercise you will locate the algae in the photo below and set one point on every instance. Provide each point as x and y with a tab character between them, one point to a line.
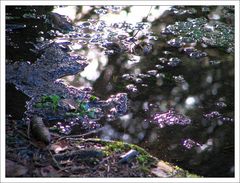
202	31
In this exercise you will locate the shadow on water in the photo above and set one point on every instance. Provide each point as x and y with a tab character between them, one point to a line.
180	88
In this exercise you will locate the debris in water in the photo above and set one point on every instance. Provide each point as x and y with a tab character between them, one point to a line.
189	144
132	88
194	53
170	118
174	61
212	115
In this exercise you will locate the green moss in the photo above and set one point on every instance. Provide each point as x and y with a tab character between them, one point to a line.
144	169
110	147
116	146
190	175
93	98
184	173
145	160
200	30
144	157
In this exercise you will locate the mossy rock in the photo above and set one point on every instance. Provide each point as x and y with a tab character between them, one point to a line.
142	165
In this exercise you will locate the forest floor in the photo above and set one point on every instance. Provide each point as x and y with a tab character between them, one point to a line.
75	156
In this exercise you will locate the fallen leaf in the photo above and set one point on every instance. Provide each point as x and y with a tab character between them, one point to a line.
57	148
14	169
49	171
162	169
159	173
165	167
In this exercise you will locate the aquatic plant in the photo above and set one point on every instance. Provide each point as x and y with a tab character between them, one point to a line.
200	31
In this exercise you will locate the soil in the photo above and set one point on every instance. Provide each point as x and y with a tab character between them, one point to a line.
76	156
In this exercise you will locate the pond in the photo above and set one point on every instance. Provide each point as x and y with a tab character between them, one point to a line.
163	80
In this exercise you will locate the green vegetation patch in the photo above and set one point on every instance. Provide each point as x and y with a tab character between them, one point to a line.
200	30
47	101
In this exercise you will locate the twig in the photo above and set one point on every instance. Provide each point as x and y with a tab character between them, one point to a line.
28	129
101	162
140	30
64	169
26	137
146	18
23	134
54	160
81	135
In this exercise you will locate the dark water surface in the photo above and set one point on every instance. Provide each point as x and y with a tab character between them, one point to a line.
179	79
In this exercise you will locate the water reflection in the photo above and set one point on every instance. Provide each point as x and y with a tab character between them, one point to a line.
190	86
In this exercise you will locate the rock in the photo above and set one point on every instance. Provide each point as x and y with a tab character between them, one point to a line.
39	130
129	156
60	22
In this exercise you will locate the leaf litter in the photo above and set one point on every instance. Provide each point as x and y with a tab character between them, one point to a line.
75	156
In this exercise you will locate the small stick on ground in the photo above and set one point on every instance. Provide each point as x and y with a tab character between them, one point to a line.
81	135
26	137
54	160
